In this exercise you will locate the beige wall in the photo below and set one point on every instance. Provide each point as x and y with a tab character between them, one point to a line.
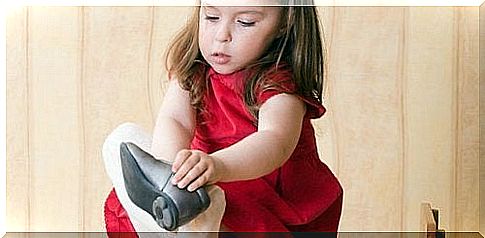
401	128
482	119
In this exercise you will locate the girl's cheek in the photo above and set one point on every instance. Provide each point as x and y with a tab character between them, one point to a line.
203	25
204	30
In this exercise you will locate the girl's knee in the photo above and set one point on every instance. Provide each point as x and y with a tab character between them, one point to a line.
125	132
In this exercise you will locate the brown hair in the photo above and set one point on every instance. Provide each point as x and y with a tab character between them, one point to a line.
300	48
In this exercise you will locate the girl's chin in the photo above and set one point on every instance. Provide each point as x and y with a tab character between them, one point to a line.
223	70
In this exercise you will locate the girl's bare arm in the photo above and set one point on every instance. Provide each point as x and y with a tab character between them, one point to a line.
175	125
279	127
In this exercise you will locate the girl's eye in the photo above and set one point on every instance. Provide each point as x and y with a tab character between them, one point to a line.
246	23
211	18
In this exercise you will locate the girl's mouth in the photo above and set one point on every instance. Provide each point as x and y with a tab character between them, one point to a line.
220	58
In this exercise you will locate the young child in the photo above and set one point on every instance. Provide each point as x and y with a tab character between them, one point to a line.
245	82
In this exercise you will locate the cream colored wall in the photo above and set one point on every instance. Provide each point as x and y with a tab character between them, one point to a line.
482	119
403	121
401	128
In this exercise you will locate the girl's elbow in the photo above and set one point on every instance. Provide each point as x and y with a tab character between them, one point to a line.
288	146
286	153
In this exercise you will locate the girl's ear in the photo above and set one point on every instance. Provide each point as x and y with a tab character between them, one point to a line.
282	30
284	24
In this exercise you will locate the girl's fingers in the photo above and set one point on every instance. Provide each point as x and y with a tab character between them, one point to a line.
183	169
193	174
199	182
180	158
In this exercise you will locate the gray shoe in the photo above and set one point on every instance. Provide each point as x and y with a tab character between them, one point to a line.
147	182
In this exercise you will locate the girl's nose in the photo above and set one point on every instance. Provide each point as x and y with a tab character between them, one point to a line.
223	33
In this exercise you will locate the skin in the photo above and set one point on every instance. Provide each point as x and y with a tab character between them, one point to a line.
280	117
242	33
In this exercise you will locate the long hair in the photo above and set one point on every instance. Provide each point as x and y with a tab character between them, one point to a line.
300	48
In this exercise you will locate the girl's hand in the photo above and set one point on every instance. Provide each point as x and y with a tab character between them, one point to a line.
195	169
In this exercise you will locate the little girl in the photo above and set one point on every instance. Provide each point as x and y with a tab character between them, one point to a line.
245	82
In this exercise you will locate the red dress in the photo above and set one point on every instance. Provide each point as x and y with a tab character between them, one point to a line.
302	195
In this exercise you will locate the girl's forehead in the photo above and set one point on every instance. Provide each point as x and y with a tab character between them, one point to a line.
240	3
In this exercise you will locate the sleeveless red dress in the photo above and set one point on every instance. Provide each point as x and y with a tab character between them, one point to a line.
301	195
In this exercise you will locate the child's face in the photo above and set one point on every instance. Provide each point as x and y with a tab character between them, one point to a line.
232	37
